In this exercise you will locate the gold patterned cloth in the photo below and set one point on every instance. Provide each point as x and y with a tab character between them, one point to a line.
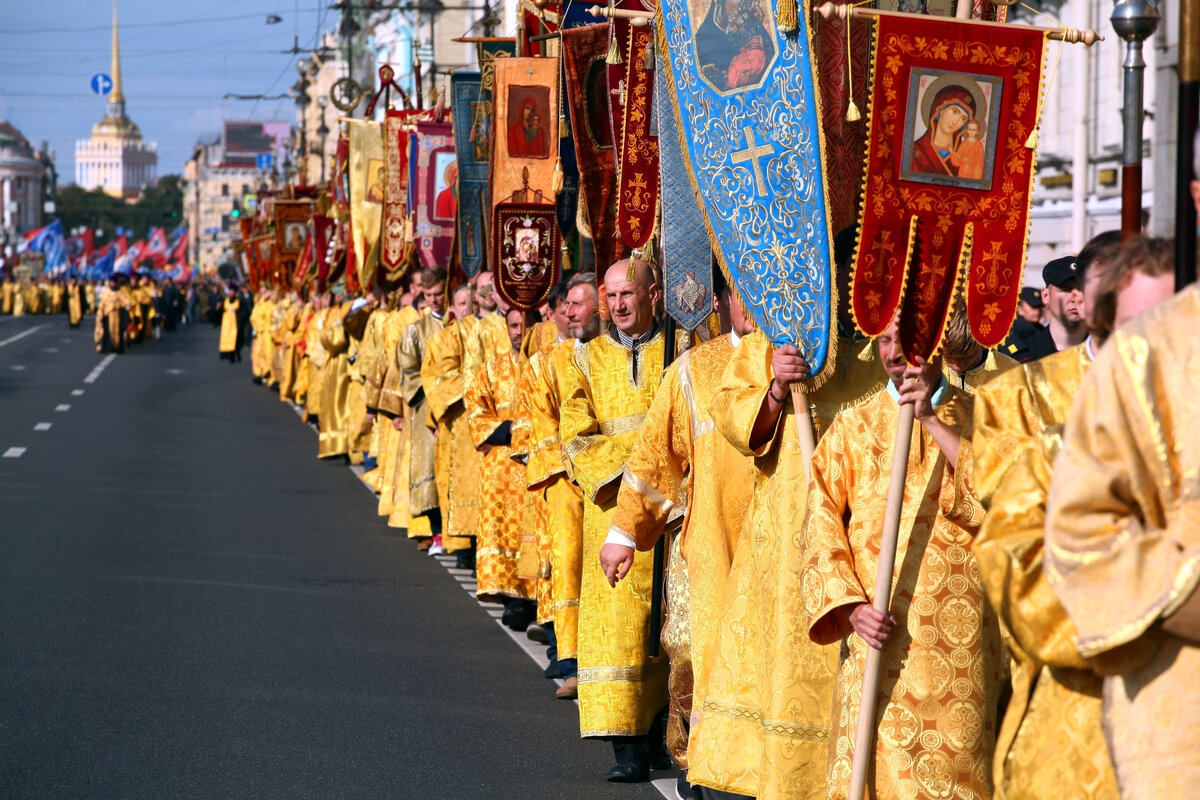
602	406
942	666
546	471
410	354
229	326
762	727
74	305
534	559
491	398
1123	541
315	358
335	422
262	350
994	363
682	464
368	181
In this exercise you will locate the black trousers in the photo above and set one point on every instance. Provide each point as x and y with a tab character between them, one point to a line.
637	749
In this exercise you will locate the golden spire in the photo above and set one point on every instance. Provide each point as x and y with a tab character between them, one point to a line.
116	95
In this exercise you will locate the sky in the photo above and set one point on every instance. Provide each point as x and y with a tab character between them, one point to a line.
177	61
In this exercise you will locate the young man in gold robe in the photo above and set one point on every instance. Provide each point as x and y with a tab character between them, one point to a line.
1123	543
229	346
315	357
74	303
334	438
965	363
607	390
682	464
262	351
941	652
112	319
382	392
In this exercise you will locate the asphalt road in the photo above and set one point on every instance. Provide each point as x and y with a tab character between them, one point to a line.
193	606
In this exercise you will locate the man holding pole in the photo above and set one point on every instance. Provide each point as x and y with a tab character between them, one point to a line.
939	642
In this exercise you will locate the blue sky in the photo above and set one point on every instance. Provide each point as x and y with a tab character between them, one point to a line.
177	60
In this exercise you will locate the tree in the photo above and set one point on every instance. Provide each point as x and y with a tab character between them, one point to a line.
158	206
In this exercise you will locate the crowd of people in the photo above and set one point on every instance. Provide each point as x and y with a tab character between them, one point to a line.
551	452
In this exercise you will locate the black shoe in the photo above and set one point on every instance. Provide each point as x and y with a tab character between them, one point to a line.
464	559
628	772
536	633
552	670
685	791
661	761
518	616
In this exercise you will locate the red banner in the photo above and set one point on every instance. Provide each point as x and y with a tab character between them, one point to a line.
638	190
948	177
525	252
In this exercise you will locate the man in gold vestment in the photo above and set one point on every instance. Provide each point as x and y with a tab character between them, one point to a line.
315	356
941	647
382	392
74	303
334	437
262	350
682	464
1123	543
547	471
607	390
965	363
112	319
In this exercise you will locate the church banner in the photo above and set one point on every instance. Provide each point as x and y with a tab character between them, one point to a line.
587	92
435	204
686	256
395	246
750	117
291	232
472	146
527	252
948	177
638	167
525	140
368	181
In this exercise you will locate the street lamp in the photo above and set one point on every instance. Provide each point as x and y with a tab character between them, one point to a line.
1134	21
429	9
323	133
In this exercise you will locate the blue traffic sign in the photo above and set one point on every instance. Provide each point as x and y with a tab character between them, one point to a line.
265	161
101	84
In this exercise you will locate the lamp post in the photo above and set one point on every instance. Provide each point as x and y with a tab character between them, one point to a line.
1134	21
323	134
429	10
299	93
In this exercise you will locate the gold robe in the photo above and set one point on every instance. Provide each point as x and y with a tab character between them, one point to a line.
6	297
89	295
75	306
278	346
995	363
621	689
387	373
290	334
110	320
1123	541
682	464
547	472
229	326
262	351
533	561
334	439
423	495
491	397
315	359
761	727
942	667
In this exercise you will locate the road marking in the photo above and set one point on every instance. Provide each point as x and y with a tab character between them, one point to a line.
49	349
42	426
62	407
14	452
77	393
21	335
67	341
18	367
104	362
174	372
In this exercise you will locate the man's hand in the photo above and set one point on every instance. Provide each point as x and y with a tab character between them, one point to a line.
872	626
789	366
918	386
616	561
398	423
370	417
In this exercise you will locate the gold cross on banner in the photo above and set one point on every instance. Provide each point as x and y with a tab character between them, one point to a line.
619	91
637	184
753	153
529	73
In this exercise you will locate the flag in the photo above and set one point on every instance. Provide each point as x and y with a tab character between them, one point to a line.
50	242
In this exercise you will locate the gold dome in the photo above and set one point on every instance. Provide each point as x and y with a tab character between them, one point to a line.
116	127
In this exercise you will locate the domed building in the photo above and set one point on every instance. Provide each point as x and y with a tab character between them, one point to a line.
116	158
23	174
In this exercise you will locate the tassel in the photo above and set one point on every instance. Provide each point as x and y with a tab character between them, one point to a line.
563	131
1032	141
787	18
558	178
408	228
648	57
614	52
852	112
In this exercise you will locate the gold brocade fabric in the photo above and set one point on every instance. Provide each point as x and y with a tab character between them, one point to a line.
533	560
228	342
112	305
678	443
6	297
367	184
491	398
292	335
995	363
602	406
315	357
334	423
1015	407
1052	735
942	666
761	727
410	353
369	353
540	336
74	305
278	314
1123	541
262	351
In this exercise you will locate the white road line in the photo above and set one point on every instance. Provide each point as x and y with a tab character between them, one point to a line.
18	367
49	349
21	335
77	393
104	362
14	452
42	426
62	407
174	372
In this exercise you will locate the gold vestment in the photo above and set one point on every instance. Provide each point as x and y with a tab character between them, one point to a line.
334	439
229	326
422	479
993	364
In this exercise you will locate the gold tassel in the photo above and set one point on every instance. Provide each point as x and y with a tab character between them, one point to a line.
408	228
787	18
614	52
563	131
1032	141
852	112
558	178
648	57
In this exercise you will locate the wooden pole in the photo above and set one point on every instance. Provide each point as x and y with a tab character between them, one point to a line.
864	738
804	429
660	547
1069	35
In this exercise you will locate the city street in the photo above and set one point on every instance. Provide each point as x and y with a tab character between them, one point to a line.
192	605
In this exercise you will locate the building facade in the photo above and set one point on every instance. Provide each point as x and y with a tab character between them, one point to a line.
212	189
26	183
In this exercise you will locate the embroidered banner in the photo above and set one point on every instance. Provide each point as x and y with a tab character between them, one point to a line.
291	231
435	200
638	167
368	181
587	92
323	231
527	251
395	247
686	255
750	117
526	127
262	250
948	177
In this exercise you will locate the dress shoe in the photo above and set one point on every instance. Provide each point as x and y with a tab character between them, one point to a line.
628	772
569	691
518	616
661	760
536	633
424	544
685	791
551	670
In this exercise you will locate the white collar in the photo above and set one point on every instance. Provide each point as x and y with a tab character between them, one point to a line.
734	339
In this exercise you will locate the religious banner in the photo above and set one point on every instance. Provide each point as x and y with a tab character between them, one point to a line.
434	192
948	177
291	230
323	231
394	245
527	251
587	92
686	255
525	142
368	185
843	79
637	192
472	147
305	270
617	64
750	120
262	255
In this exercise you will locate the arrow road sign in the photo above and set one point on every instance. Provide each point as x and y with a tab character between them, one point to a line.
101	84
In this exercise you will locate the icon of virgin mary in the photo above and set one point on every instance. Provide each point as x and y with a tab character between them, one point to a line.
733	44
952	108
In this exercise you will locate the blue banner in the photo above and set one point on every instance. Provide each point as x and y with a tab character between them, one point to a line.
748	109
472	148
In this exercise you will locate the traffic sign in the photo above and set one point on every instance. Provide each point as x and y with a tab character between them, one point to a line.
101	84
265	161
